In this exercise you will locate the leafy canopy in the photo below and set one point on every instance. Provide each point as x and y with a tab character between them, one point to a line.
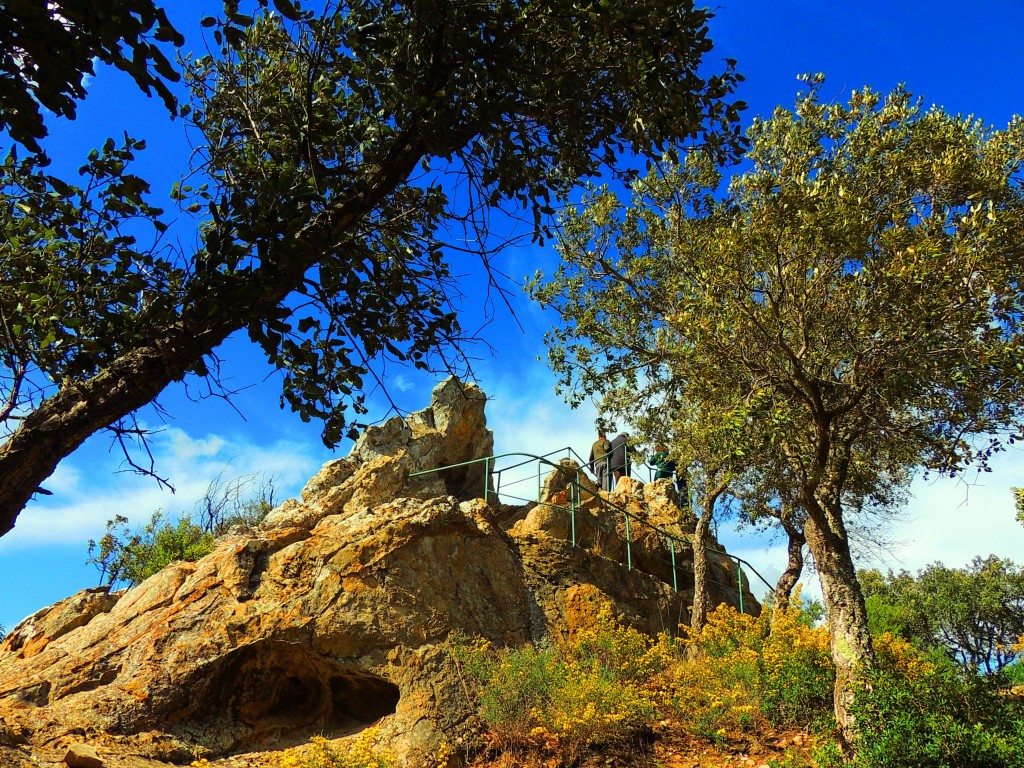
851	303
974	615
344	161
847	311
47	48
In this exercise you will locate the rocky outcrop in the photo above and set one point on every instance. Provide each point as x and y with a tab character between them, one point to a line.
337	612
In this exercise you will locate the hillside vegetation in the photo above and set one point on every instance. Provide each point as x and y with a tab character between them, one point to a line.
754	691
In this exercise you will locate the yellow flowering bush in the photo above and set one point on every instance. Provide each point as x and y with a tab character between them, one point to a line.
744	670
896	655
601	685
361	753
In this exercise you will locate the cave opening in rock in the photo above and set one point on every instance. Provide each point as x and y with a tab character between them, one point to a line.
271	689
361	699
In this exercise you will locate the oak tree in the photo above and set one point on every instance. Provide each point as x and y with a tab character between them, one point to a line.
851	304
974	615
47	49
327	150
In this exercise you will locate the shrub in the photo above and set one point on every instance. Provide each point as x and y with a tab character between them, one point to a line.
600	686
920	711
123	555
359	754
130	556
511	686
747	672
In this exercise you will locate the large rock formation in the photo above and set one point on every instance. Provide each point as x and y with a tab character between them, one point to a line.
336	612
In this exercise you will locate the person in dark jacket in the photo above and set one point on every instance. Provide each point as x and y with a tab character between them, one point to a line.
620	457
664	467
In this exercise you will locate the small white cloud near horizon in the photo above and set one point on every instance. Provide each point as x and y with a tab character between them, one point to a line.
91	488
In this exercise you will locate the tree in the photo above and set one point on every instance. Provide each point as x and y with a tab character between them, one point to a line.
853	299
316	235
974	615
893	606
48	48
130	556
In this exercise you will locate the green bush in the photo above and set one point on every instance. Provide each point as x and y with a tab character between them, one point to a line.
123	555
936	717
511	686
128	556
600	686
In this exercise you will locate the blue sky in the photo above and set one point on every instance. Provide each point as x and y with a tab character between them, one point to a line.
966	59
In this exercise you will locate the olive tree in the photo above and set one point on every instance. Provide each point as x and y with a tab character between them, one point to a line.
328	147
850	305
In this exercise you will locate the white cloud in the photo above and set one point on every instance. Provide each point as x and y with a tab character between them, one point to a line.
527	417
89	488
403	383
953	520
949	520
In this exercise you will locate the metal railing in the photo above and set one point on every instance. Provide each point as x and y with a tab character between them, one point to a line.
576	491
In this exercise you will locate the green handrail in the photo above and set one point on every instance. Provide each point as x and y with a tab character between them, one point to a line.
576	495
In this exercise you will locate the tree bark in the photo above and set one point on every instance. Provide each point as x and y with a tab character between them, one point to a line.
61	423
701	598
852	651
701	536
794	565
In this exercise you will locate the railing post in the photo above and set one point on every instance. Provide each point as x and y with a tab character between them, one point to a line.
629	550
672	549
573	491
487	478
739	581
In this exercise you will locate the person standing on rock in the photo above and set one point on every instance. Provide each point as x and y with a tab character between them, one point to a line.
619	457
664	467
599	458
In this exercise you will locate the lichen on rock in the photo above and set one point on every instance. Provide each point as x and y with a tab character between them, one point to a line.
335	613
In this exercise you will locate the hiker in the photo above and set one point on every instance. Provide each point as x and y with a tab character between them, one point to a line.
599	453
619	458
664	467
681	487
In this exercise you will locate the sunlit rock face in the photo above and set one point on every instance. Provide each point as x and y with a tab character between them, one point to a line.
336	612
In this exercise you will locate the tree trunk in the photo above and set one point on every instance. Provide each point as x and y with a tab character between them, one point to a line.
852	651
701	598
61	423
794	565
701	535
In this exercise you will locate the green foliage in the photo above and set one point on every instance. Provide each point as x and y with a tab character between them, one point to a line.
130	556
812	613
938	718
600	686
1018	500
317	232
846	313
749	672
76	291
739	675
975	615
830	294
47	49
